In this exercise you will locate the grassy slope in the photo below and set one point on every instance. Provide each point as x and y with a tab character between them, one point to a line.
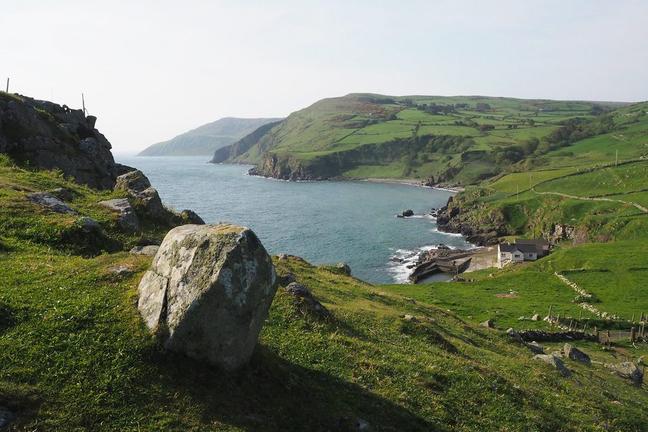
74	354
340	125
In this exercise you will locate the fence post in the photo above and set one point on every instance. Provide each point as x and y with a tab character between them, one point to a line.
7	85
632	334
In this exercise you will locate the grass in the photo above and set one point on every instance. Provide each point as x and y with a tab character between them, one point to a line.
75	355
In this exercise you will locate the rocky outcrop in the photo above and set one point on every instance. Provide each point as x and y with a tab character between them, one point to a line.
147	201
575	354
208	292
127	218
306	303
191	217
50	202
555	362
628	370
455	219
50	136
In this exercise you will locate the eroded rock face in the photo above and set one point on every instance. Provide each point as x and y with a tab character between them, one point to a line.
208	292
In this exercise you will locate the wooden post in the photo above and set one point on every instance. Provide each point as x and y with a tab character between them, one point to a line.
609	341
632	334
7	85
83	104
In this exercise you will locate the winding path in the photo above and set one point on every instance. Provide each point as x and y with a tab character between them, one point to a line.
638	206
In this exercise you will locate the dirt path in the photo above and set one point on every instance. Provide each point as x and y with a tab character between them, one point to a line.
638	206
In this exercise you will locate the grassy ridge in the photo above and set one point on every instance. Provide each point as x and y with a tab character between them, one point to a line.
75	355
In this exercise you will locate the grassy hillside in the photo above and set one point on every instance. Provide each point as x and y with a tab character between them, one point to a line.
76	356
206	139
441	139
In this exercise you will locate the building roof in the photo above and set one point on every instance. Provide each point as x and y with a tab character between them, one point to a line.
538	242
527	248
505	247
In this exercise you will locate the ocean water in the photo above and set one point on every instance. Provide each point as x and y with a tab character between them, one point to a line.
323	222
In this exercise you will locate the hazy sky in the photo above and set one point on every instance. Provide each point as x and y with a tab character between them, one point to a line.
153	69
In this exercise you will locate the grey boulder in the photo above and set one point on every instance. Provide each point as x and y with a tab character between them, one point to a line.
50	202
554	361
208	293
574	353
307	304
149	250
127	219
628	370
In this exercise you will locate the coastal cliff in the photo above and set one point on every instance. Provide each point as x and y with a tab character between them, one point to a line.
46	135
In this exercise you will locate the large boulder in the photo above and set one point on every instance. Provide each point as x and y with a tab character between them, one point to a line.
208	292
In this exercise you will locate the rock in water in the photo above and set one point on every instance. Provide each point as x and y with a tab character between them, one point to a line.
208	292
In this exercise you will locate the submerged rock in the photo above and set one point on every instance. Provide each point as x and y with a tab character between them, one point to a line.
208	292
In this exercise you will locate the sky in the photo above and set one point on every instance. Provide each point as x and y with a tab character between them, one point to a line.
151	70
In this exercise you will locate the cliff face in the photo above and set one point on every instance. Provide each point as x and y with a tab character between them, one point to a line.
332	165
45	135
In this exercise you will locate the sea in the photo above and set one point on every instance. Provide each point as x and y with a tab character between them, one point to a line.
324	222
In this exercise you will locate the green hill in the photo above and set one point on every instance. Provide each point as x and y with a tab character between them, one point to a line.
204	140
457	140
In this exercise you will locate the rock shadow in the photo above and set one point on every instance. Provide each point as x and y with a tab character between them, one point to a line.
272	394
